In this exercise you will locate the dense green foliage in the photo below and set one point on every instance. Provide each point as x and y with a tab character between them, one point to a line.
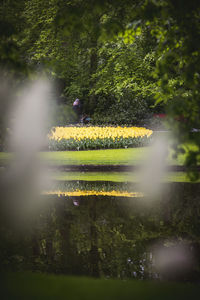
176	26
124	86
12	28
112	77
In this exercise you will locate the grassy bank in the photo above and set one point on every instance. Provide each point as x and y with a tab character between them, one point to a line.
40	286
115	176
128	156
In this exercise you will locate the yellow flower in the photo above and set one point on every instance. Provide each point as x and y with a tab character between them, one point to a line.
94	132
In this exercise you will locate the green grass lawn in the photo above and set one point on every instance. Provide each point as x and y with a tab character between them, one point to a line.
41	286
133	156
115	176
102	157
128	156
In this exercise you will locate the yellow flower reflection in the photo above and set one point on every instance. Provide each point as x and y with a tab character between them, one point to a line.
94	193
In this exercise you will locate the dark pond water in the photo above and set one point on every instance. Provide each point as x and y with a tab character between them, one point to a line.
111	236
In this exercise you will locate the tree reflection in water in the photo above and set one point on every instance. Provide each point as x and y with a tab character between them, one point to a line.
112	237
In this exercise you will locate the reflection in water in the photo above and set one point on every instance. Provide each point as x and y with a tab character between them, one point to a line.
94	193
109	236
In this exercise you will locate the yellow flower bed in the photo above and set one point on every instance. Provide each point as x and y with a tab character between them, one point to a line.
81	138
94	193
92	133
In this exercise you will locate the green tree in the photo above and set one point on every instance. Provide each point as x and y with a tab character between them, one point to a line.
176	26
123	82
